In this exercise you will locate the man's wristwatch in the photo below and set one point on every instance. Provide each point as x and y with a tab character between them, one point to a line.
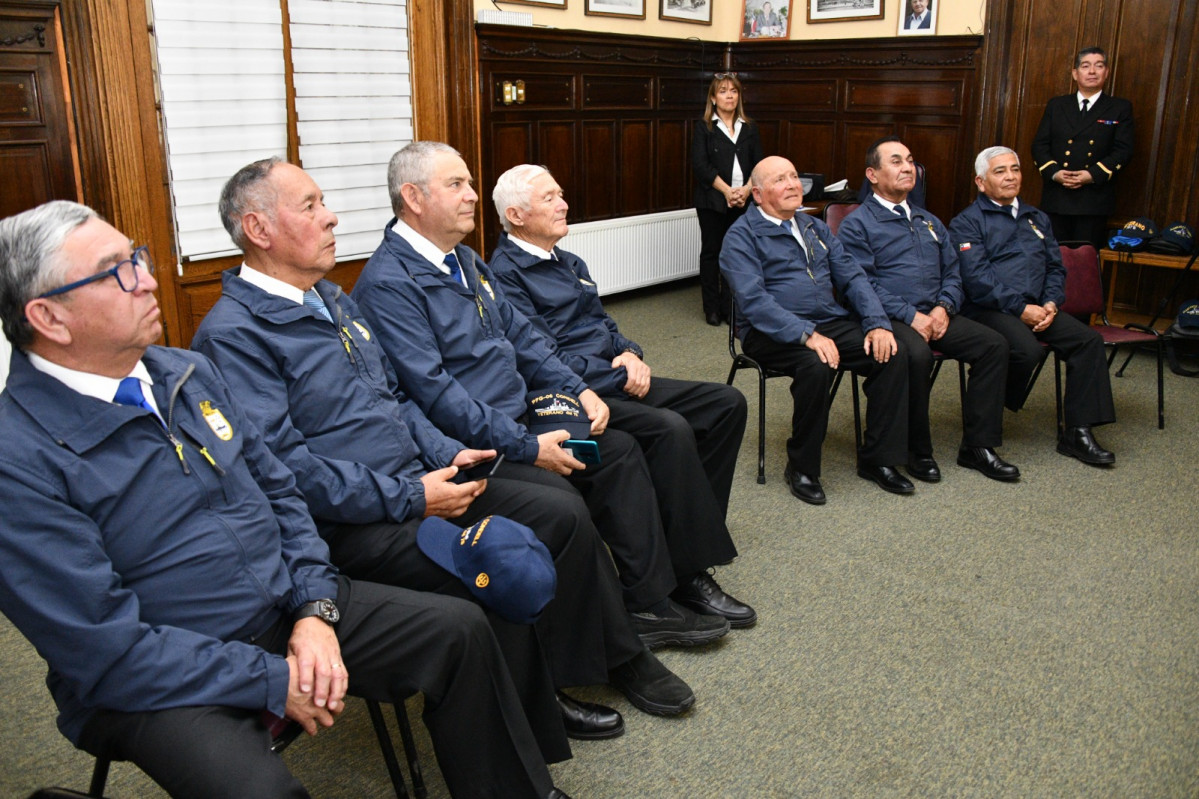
323	609
949	309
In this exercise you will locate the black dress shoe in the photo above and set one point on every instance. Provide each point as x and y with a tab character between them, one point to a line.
586	721
984	459
677	626
650	686
923	467
888	479
1078	442
803	487
712	318
702	594
558	793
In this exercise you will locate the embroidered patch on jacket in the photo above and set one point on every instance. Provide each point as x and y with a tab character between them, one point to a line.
217	421
965	245
366	334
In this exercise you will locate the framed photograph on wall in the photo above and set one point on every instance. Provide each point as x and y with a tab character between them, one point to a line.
765	19
697	11
632	9
844	10
918	17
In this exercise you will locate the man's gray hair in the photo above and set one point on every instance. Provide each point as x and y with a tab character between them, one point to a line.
514	189
29	260
248	190
983	161
413	164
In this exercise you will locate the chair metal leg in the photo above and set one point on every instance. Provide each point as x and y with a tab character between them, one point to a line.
414	770
857	413
385	746
761	427
1161	398
1057	391
99	777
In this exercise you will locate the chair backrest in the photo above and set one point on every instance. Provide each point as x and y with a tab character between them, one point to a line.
1084	283
835	213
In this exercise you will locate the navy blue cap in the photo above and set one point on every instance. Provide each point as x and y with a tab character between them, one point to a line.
1188	315
557	410
500	561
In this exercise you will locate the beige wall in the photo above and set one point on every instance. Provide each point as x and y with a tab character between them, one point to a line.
953	19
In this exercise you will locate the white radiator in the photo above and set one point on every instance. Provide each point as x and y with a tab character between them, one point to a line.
636	251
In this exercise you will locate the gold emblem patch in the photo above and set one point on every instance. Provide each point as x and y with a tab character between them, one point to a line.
217	421
482	580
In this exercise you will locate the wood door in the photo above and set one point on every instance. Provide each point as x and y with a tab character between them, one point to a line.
36	137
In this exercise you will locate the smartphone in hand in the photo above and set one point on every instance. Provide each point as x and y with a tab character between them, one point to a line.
478	471
584	450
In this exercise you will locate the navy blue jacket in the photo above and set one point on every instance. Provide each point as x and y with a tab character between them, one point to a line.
562	301
327	401
133	568
466	357
1007	263
780	299
912	264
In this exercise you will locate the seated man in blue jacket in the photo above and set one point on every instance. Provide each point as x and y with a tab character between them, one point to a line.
783	267
469	359
372	466
1014	280
914	271
162	561
689	431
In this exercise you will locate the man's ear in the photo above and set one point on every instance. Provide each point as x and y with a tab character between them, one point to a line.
413	198
979	182
257	229
870	176
48	319
515	216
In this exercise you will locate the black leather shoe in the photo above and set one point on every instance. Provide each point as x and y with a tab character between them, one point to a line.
803	487
923	467
586	721
702	594
678	626
558	793
712	318
1078	442
984	459
650	686
888	479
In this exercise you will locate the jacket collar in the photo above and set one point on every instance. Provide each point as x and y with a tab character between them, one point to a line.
418	267
80	422
519	255
273	308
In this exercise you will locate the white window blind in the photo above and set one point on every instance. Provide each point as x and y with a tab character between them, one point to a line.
224	96
220	68
354	103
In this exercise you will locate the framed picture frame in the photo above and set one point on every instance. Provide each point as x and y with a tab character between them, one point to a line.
918	17
766	19
844	10
550	3
629	9
696	11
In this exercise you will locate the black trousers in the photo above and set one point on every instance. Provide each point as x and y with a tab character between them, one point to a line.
982	409
885	441
620	498
1080	227
1088	399
394	643
712	227
690	433
585	630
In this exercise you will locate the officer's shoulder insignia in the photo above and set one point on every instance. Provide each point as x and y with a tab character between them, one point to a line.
217	421
486	286
366	334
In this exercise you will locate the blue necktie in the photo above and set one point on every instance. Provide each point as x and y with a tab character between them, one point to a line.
313	300
899	210
451	261
129	392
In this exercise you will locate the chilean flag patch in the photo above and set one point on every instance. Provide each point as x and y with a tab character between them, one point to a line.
965	245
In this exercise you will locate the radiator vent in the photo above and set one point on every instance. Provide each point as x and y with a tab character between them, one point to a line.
636	251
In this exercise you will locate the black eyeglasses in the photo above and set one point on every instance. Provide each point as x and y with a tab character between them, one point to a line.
725	75
125	272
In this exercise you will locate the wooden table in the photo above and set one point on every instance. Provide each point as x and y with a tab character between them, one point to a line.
1114	259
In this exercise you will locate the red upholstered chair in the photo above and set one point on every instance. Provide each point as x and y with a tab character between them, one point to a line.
1084	299
835	213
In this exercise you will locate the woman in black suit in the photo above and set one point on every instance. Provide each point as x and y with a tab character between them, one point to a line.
724	151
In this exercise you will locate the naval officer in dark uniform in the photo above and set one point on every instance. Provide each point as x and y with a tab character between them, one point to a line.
1083	142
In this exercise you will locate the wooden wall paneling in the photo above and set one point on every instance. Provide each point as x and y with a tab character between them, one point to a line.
938	147
672	183
635	167
557	142
599	177
811	146
771	133
858	137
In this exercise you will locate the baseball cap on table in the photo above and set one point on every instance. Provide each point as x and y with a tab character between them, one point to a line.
1176	238
500	561
1188	315
1134	235
557	410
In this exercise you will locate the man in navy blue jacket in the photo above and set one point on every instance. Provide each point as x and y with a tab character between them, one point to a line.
1015	282
469	359
783	267
690	431
163	562
914	270
371	465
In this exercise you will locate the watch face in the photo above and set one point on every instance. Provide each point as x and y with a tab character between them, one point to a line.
328	610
